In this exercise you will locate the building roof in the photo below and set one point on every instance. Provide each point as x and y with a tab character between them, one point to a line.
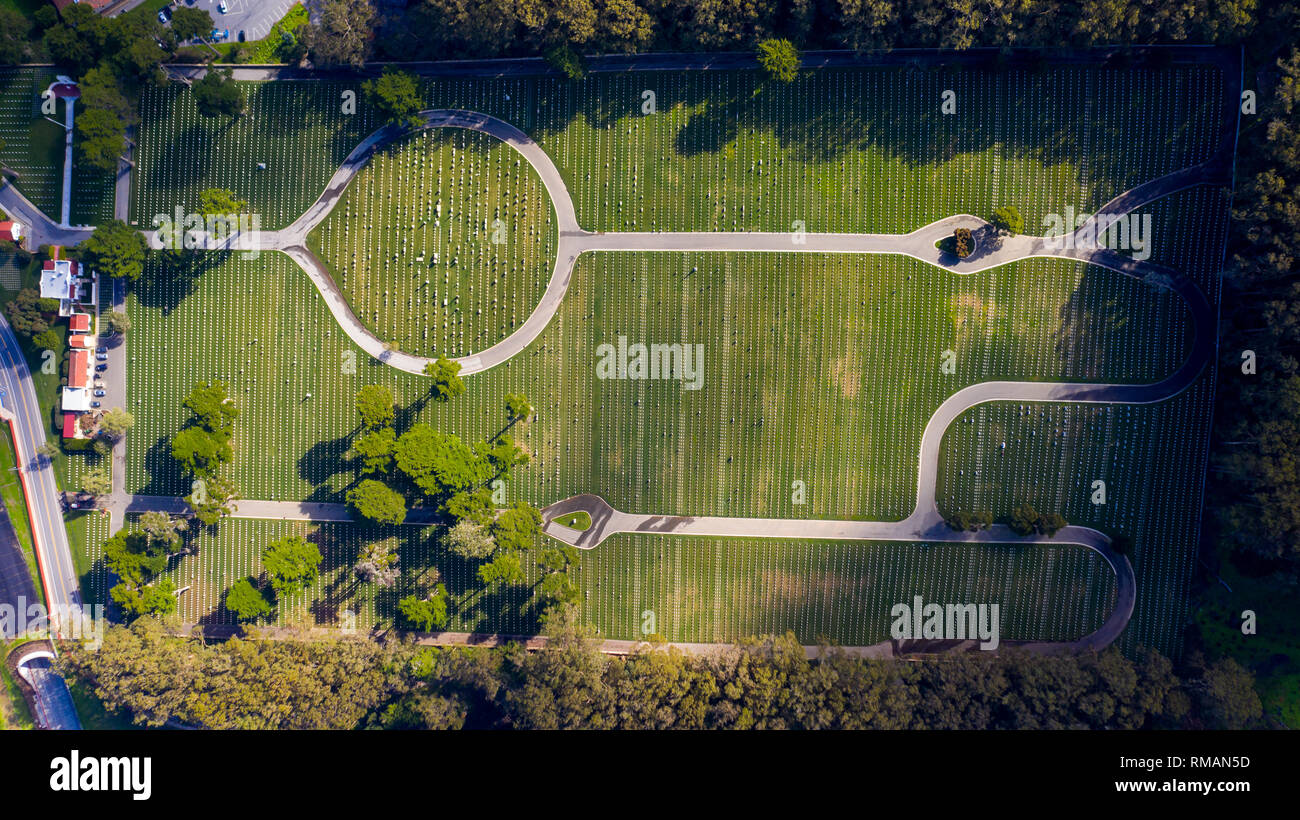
57	280
11	231
76	399
78	340
69	425
79	322
78	369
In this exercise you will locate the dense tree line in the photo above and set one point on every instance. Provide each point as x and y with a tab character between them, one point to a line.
759	684
1254	489
436	29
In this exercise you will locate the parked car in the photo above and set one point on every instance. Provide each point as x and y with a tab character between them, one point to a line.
101	367
100	393
164	15
240	36
101	350
103	357
221	7
94	404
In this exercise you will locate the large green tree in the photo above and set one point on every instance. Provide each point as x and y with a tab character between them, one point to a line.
439	464
101	139
780	59
292	563
216	94
447	383
246	601
341	34
189	23
395	96
377	503
425	614
115	249
375	406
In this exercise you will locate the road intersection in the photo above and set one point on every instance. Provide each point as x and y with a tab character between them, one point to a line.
924	523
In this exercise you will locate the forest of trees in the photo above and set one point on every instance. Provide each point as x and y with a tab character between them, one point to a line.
769	684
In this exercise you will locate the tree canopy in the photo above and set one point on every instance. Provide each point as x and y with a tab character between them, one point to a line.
780	59
375	502
375	406
292	563
447	383
115	249
216	94
246	602
395	95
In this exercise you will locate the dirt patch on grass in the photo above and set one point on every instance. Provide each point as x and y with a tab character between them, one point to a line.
846	376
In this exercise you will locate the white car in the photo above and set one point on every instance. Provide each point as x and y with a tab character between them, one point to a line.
221	7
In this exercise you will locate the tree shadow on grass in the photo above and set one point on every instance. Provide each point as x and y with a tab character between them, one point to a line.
322	461
170	277
163	471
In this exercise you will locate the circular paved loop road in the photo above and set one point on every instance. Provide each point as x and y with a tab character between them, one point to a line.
925	523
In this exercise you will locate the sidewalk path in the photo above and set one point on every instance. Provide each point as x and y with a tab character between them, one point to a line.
924	524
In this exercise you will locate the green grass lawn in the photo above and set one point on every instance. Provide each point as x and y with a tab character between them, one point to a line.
579	521
822	369
817	369
443	244
839	150
14	713
698	589
11	491
87	532
34	148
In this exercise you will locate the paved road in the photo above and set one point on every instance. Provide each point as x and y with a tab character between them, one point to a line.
573	240
115	396
924	523
16	586
40	228
320	511
735	61
45	507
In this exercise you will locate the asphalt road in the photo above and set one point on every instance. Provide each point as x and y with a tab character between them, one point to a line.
16	584
41	229
924	523
573	240
18	397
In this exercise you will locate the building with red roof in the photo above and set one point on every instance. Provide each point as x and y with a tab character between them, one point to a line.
11	231
79	323
69	425
79	369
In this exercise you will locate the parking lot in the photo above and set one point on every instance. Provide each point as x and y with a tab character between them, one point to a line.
253	17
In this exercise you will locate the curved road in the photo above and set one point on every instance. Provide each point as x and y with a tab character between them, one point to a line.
18	406
573	240
923	524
